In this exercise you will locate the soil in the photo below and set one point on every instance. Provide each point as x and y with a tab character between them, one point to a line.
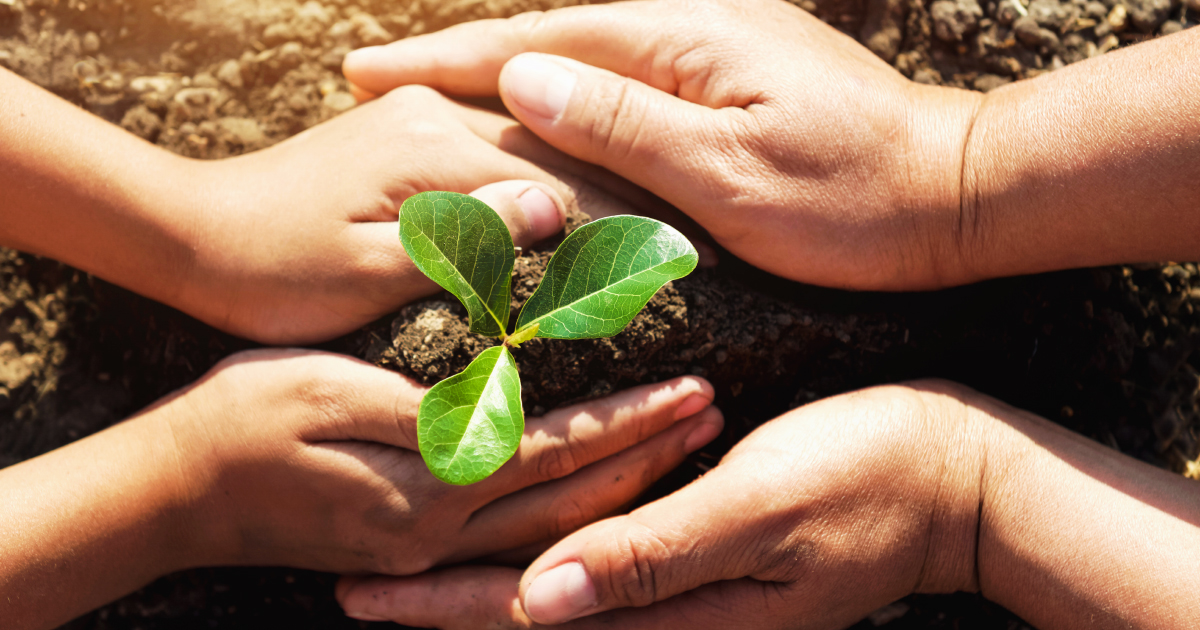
1109	352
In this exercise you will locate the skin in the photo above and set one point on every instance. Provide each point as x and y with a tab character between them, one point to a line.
842	506
293	244
308	459
806	155
760	122
289	457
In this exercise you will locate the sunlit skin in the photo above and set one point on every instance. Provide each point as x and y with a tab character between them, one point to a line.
837	508
803	153
293	244
287	457
307	459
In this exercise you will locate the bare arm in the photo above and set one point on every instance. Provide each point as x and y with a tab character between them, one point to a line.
1076	535
1097	163
296	243
307	459
806	155
840	507
85	192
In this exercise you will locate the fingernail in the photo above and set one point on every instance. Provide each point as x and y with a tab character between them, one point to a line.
358	60
541	213
560	594
691	406
364	616
538	84
703	434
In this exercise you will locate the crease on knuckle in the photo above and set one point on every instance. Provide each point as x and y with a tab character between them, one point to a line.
635	579
570	513
618	134
557	461
527	27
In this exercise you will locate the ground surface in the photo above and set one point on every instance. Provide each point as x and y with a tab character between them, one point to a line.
1108	352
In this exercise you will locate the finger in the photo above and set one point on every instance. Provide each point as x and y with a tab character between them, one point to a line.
466	59
532	211
704	533
360	402
552	510
486	597
598	191
568	439
360	94
677	150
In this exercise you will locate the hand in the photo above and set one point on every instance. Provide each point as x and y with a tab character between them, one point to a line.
294	244
300	241
798	149
308	459
837	508
822	515
806	155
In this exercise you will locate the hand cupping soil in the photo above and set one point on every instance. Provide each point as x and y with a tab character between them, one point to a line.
1111	353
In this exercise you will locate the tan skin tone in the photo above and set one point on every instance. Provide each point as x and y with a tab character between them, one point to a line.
807	156
293	244
308	459
839	507
288	457
804	154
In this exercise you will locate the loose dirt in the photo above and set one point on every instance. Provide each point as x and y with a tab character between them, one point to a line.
1109	352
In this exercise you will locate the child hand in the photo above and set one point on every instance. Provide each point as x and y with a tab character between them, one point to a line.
299	243
309	459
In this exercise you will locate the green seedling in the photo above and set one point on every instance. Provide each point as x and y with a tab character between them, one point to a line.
597	281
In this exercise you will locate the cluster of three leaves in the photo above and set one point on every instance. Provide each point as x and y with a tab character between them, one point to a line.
597	281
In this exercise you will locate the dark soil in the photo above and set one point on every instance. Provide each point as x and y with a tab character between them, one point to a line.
1110	353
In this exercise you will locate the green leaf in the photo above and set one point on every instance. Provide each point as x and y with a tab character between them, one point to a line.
472	422
602	276
464	246
516	339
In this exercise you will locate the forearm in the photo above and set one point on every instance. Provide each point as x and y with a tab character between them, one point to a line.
85	192
1097	163
1076	535
88	523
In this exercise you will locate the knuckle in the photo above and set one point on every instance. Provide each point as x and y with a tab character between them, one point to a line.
413	94
556	462
636	579
570	513
617	134
527	27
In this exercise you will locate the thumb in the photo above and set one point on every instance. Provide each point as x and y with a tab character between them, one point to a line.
532	210
671	546
654	139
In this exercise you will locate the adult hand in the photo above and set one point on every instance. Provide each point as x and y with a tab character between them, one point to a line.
308	459
806	155
798	149
839	507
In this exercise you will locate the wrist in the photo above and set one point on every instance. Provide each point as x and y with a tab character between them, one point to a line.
967	436
928	180
90	522
194	519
